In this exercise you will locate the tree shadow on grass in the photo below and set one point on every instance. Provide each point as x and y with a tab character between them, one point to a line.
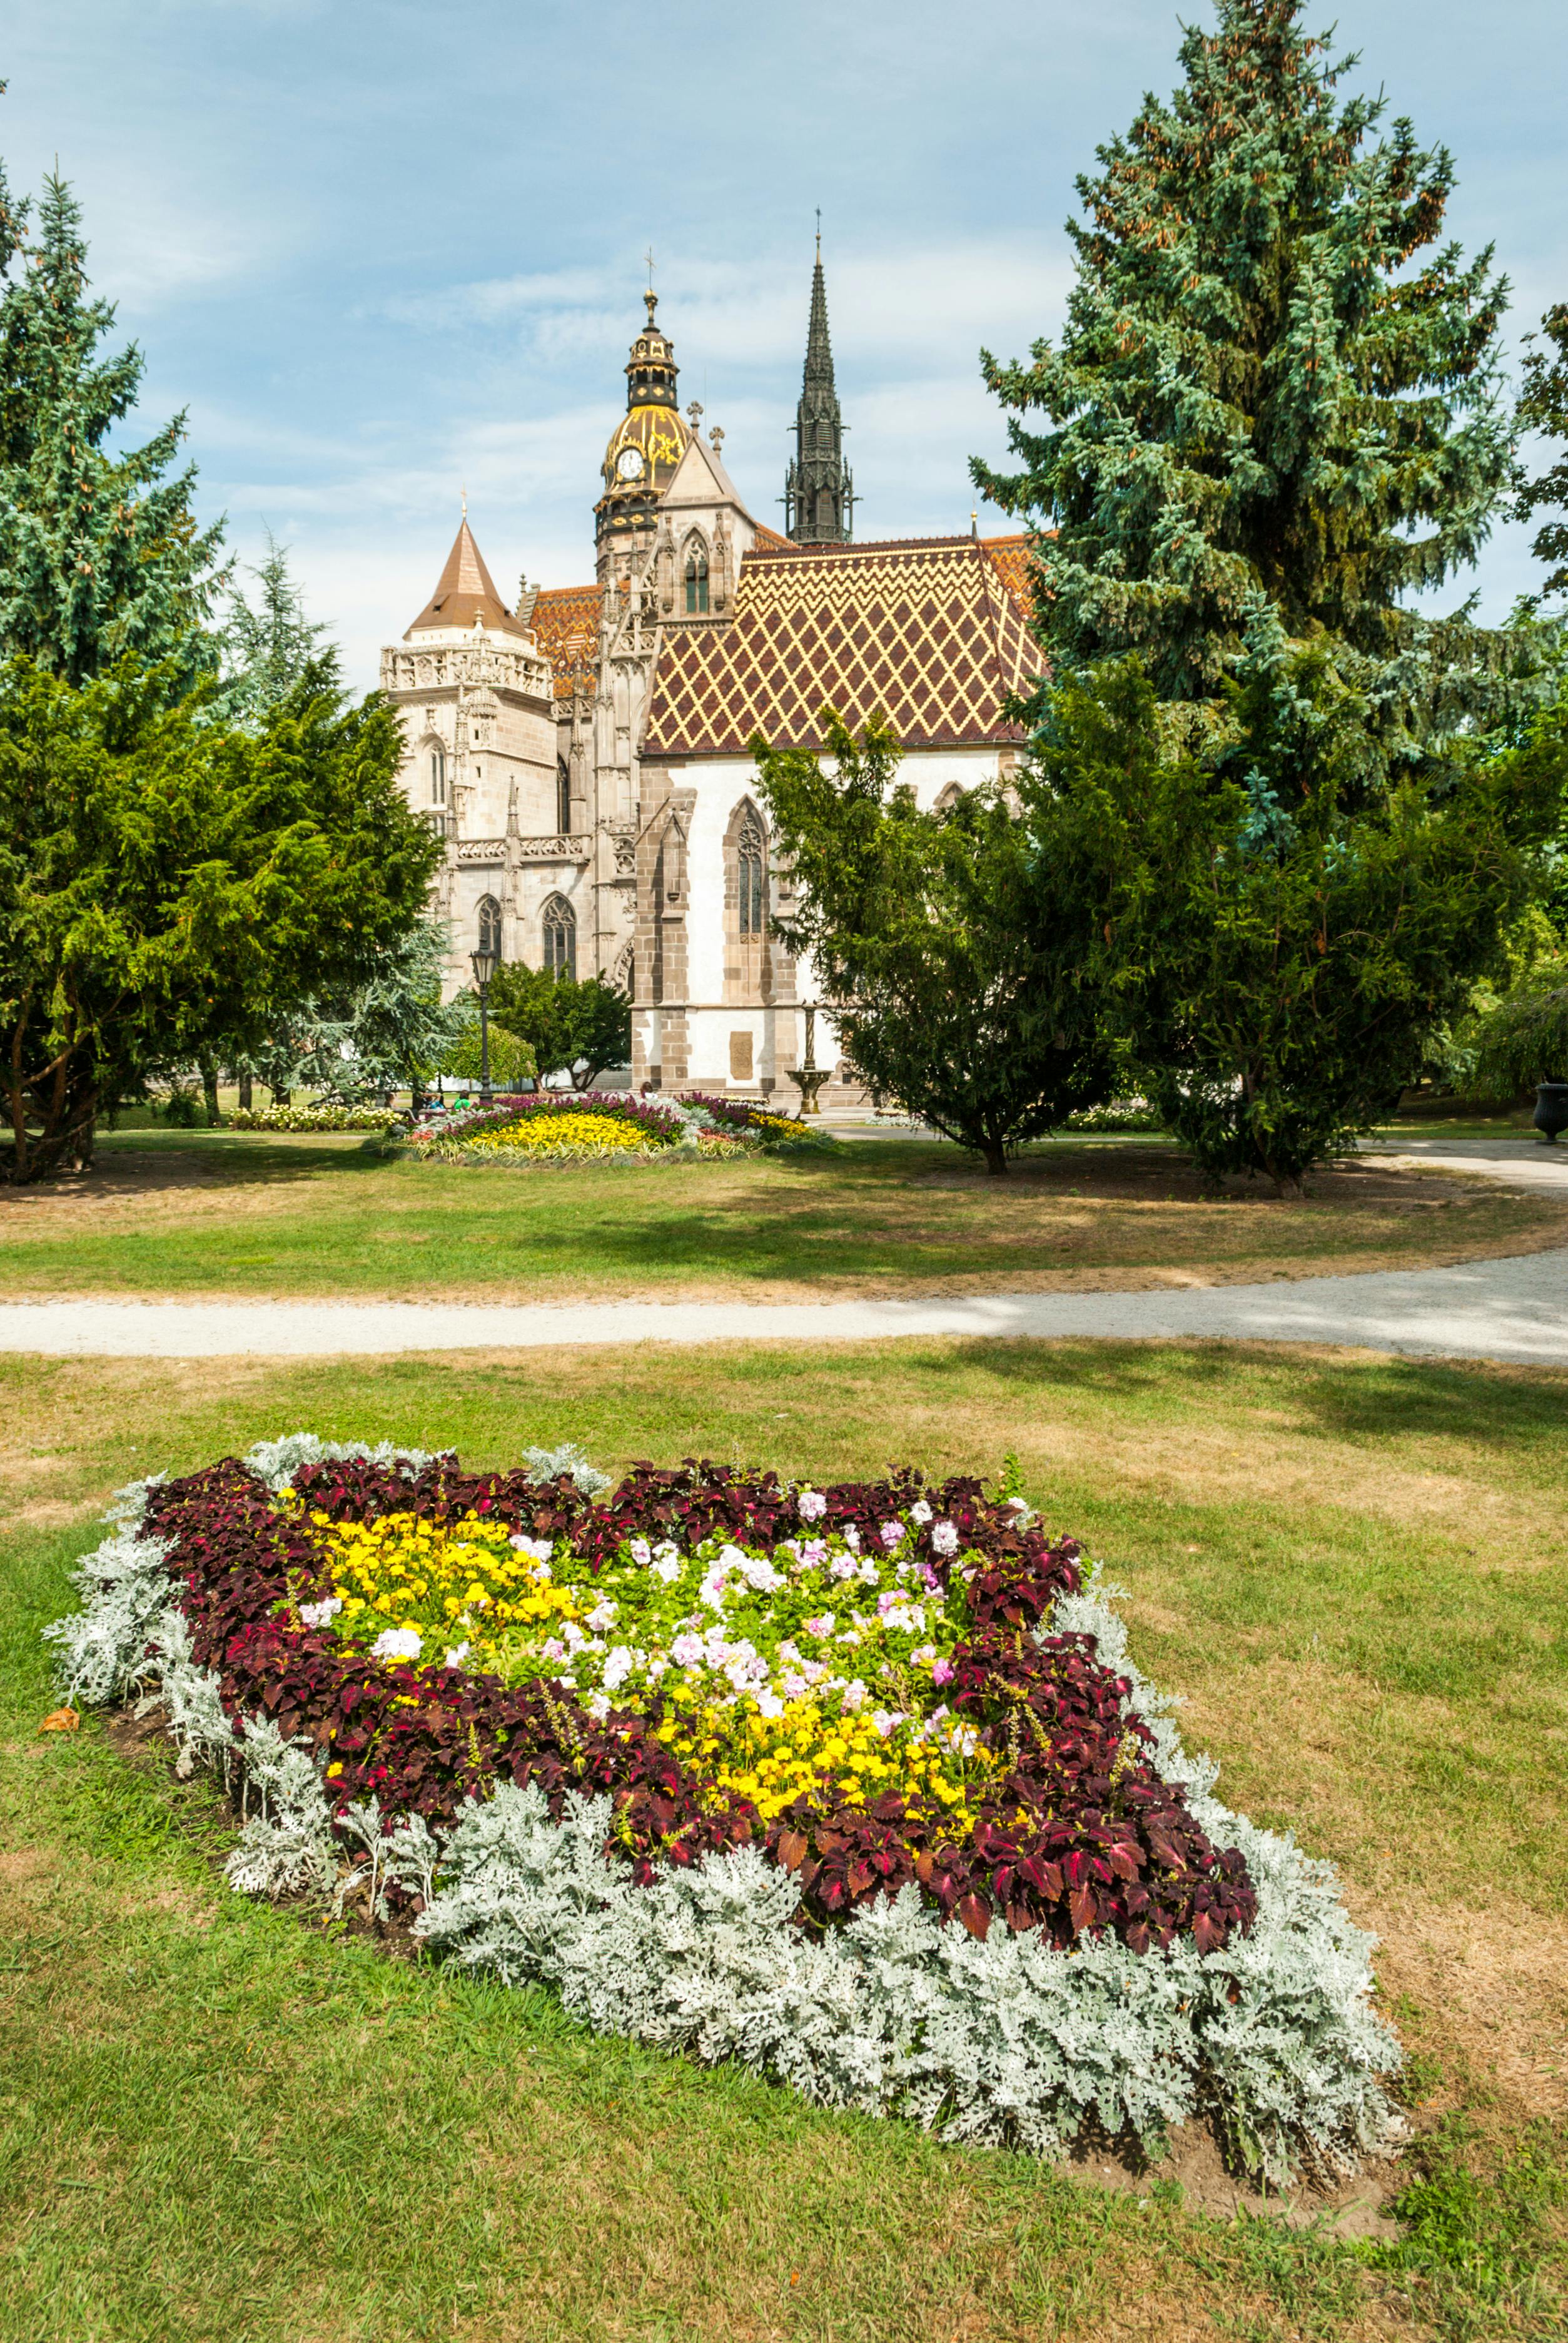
1356	1398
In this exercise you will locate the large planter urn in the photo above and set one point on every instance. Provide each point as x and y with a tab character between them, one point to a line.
1551	1110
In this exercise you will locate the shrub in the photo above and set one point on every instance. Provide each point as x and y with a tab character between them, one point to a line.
312	1117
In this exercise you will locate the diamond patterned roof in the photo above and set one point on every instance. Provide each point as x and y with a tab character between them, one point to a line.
929	631
565	623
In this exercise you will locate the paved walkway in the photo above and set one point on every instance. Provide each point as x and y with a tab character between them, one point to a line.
1515	1310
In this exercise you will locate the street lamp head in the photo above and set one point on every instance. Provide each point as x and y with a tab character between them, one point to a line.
484	963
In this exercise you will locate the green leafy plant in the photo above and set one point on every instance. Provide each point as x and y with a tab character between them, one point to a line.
573	1027
955	973
169	887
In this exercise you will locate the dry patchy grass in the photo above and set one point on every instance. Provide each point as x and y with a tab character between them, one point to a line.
235	1215
1354	1570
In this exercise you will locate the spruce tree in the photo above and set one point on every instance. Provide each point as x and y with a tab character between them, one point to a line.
1273	380
268	645
101	559
1544	407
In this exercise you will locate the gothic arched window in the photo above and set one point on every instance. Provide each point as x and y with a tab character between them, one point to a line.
563	799
438	776
559	926
696	582
749	862
489	937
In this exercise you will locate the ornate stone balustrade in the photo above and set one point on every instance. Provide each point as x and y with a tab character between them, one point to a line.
576	848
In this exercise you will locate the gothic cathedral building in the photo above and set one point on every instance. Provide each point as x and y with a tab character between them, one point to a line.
584	753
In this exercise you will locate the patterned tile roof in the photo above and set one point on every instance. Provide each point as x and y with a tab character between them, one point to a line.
926	630
565	623
1012	556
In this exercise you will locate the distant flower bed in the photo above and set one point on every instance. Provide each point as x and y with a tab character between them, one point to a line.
1116	1114
555	1126
855	1782
312	1117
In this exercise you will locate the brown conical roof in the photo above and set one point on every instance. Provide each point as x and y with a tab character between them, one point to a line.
465	591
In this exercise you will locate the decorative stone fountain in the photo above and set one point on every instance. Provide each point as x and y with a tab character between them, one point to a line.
809	1074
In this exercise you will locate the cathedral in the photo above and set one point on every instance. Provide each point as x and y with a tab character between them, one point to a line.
584	753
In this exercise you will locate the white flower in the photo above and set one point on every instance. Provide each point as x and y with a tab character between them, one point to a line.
686	1650
617	1668
536	1549
811	1505
921	1511
398	1644
456	1656
604	1615
666	1564
843	1566
867	1571
597	1705
770	1704
317	1615
891	1535
854	1694
944	1538
757	1571
667	1551
853	1538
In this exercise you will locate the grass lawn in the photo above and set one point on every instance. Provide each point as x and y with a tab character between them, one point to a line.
218	2122
237	1214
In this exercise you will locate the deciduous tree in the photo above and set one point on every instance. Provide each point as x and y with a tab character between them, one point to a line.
954	976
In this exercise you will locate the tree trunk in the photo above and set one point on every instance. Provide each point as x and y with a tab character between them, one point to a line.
209	1091
245	1091
995	1158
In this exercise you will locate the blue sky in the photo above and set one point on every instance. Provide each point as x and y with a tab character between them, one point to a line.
381	250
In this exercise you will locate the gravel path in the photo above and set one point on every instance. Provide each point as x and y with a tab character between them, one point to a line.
1515	1310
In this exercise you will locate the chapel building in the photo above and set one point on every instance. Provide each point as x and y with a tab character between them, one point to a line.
584	753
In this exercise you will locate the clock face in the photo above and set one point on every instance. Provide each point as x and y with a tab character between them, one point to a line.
629	464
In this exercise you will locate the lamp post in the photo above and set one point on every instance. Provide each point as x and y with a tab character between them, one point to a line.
484	962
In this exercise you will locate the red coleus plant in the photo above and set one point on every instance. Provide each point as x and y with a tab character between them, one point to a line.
1074	1832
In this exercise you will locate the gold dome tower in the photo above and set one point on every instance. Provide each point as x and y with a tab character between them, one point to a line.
644	449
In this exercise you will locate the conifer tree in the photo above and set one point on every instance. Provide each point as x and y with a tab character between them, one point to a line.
1273	380
101	559
268	645
1544	407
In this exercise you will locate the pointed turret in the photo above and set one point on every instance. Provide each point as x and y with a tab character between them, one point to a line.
465	593
818	491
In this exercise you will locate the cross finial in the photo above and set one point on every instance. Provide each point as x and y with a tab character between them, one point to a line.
647	255
694	415
819	231
464	497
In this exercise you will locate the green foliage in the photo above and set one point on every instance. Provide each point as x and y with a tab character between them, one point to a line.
267	648
1475	2247
391	1030
512	1060
1281	928
1257	393
170	888
1544	407
953	966
576	1028
101	559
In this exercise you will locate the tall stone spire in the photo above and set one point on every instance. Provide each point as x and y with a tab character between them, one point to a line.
818	491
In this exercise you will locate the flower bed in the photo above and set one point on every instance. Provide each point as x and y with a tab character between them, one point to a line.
739	1117
312	1117
743	1764
589	1125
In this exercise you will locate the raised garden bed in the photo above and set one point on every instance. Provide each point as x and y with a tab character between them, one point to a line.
857	1784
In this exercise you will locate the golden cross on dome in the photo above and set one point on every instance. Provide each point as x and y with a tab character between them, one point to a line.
647	255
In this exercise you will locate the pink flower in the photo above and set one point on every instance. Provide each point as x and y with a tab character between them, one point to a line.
892	1535
820	1626
941	1672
